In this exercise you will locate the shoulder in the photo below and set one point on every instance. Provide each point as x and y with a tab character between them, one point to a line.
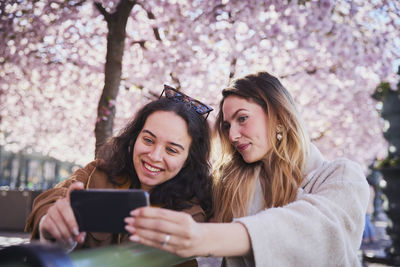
83	175
320	171
340	175
96	177
87	170
343	169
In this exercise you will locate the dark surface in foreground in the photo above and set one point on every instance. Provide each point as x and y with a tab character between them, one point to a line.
373	253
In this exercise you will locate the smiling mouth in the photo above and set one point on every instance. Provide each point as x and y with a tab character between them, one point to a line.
151	168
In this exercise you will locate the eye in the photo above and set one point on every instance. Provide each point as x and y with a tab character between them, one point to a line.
226	126
147	140
172	150
242	118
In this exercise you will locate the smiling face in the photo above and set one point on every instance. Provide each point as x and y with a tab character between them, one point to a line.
247	125
161	148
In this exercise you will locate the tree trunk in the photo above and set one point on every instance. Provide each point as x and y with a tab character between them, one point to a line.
116	23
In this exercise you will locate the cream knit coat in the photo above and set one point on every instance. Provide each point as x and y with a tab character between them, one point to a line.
323	227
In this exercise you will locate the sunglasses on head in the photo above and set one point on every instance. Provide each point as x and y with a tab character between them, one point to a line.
174	94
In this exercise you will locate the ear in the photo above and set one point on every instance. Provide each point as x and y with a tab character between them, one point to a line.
279	128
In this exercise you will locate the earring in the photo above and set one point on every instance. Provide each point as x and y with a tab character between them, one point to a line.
279	132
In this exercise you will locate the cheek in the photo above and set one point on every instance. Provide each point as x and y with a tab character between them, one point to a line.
137	150
265	140
254	131
176	164
260	133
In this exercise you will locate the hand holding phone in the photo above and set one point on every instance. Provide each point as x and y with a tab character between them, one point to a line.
59	222
104	210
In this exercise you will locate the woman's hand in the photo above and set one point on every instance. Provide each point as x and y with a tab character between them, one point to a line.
178	233
59	223
173	231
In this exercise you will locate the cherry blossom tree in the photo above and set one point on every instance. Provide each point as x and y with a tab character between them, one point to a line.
331	55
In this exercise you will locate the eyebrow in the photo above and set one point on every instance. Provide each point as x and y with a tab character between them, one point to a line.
171	143
235	113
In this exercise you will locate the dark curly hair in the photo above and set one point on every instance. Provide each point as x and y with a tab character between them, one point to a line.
192	185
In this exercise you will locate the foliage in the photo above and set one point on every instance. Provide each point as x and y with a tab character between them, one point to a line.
381	94
330	54
383	89
389	161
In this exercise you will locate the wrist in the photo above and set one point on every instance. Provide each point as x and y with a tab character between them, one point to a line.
206	243
224	240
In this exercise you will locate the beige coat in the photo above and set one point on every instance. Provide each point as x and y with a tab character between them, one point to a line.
323	227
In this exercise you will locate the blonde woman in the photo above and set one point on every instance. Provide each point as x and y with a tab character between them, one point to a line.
277	201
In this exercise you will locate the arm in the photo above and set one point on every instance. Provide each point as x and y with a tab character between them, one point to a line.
149	226
47	199
322	227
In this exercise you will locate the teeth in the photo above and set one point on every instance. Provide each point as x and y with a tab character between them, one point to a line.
151	168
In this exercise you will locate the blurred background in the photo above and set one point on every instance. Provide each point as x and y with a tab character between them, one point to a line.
73	72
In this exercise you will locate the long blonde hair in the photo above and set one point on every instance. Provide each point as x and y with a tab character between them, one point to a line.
280	172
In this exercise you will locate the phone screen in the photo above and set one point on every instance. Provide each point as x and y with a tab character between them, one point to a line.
104	210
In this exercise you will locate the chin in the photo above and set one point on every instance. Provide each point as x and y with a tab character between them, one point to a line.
250	159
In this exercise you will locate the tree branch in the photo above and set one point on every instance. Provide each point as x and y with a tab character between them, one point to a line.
103	11
233	68
140	42
319	137
151	16
70	3
156	34
219	6
124	7
309	72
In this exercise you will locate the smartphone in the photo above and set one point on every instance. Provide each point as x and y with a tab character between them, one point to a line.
104	210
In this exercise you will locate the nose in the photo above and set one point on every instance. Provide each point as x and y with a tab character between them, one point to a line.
234	134
156	153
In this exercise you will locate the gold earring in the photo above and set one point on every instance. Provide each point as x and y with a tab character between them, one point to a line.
279	135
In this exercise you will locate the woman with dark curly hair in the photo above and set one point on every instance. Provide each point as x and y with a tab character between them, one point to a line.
164	150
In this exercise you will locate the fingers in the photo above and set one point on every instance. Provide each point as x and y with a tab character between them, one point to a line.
153	212
48	229
174	217
159	240
153	224
75	186
68	217
68	213
154	236
168	242
169	230
81	237
55	224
